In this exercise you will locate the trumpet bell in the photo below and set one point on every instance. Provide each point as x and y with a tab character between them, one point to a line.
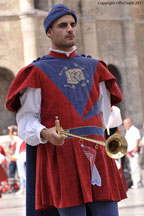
116	146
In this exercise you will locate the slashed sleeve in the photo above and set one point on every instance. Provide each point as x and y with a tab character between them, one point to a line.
28	117
110	82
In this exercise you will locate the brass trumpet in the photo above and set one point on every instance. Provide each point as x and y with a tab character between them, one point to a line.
115	145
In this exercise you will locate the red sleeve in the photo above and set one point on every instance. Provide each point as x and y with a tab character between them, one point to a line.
29	76
110	81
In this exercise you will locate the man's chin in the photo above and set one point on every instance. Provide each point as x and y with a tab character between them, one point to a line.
70	44
66	46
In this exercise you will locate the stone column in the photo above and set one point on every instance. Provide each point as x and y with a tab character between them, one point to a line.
131	82
27	20
89	37
88	26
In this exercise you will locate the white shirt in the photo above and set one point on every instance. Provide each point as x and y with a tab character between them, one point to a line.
132	135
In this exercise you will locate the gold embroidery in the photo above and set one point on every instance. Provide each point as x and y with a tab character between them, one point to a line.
74	75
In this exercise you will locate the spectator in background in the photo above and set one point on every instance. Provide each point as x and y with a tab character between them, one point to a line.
113	126
17	157
21	166
133	139
12	167
3	173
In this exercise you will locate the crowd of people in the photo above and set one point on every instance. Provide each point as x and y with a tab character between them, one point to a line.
13	163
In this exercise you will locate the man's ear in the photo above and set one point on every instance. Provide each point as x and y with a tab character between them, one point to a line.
49	33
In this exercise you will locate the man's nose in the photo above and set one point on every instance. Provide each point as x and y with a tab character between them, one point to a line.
69	27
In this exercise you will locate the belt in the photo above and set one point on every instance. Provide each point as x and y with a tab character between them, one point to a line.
86	131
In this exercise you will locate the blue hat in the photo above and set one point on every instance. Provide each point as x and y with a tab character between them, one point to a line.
56	12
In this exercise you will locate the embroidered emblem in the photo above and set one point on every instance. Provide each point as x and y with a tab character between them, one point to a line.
74	76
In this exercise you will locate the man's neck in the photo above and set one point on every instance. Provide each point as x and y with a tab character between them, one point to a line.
64	52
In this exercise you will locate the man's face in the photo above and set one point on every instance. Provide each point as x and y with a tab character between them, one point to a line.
62	33
127	124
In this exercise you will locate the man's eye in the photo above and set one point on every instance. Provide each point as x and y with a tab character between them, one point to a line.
62	25
73	25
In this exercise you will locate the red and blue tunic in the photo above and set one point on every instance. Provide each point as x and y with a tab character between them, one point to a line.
70	90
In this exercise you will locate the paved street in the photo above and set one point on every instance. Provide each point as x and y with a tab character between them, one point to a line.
14	205
134	204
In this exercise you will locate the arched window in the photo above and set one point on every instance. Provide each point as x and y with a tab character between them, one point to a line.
115	72
6	118
41	5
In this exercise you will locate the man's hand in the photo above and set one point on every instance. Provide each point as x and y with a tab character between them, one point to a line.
128	156
52	136
136	149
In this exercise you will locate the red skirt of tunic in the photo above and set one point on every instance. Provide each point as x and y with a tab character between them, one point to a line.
64	177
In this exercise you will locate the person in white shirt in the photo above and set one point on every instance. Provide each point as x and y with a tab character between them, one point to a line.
133	138
17	160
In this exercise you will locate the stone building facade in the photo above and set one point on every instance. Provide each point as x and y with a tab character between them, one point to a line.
109	30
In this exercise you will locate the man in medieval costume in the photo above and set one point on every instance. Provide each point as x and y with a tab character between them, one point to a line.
67	174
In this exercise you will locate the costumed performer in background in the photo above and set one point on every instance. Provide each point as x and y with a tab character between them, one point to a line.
3	172
113	127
